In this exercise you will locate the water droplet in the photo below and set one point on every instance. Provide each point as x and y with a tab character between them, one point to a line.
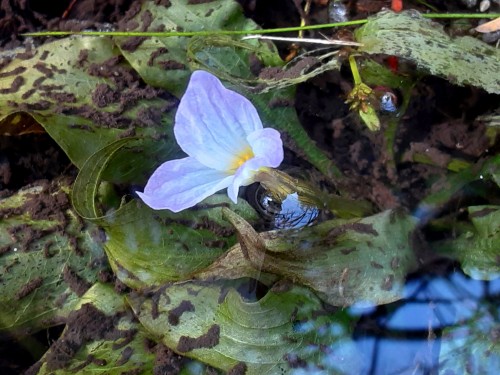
290	213
337	11
388	102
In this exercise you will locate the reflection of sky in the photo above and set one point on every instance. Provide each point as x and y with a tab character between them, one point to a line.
409	345
444	325
294	214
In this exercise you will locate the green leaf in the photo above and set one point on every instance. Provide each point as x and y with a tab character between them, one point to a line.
89	178
213	324
84	95
48	257
452	183
370	118
344	261
478	248
462	60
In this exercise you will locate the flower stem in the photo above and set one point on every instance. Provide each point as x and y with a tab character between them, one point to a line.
354	70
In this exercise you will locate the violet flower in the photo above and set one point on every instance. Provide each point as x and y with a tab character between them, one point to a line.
226	144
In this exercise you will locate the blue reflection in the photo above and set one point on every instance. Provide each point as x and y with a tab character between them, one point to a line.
442	325
445	324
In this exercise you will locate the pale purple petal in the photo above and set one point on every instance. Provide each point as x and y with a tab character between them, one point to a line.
266	144
212	122
182	183
245	175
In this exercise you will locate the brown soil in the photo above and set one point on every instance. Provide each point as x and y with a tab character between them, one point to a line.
440	119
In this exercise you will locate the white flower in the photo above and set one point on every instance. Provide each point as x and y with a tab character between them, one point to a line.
226	144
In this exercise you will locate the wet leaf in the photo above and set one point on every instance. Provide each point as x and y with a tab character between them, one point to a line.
374	74
477	249
212	323
463	60
48	257
343	261
84	95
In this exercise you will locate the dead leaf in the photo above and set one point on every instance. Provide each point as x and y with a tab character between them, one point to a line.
489	27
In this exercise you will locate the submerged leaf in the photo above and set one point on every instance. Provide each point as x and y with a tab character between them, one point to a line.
214	324
148	248
463	60
478	249
472	347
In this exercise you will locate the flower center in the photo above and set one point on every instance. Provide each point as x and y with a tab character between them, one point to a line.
242	157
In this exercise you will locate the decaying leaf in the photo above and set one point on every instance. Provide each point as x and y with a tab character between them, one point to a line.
489	27
344	261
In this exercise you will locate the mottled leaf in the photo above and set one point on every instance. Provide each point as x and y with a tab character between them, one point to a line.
147	247
163	62
85	96
48	257
461	60
101	336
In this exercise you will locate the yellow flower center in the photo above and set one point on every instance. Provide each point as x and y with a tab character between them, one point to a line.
241	158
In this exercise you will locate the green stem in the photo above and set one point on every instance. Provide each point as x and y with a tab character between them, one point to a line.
246	32
454	165
461	15
355	71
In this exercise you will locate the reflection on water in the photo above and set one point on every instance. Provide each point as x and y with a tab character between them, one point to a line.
286	214
446	324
